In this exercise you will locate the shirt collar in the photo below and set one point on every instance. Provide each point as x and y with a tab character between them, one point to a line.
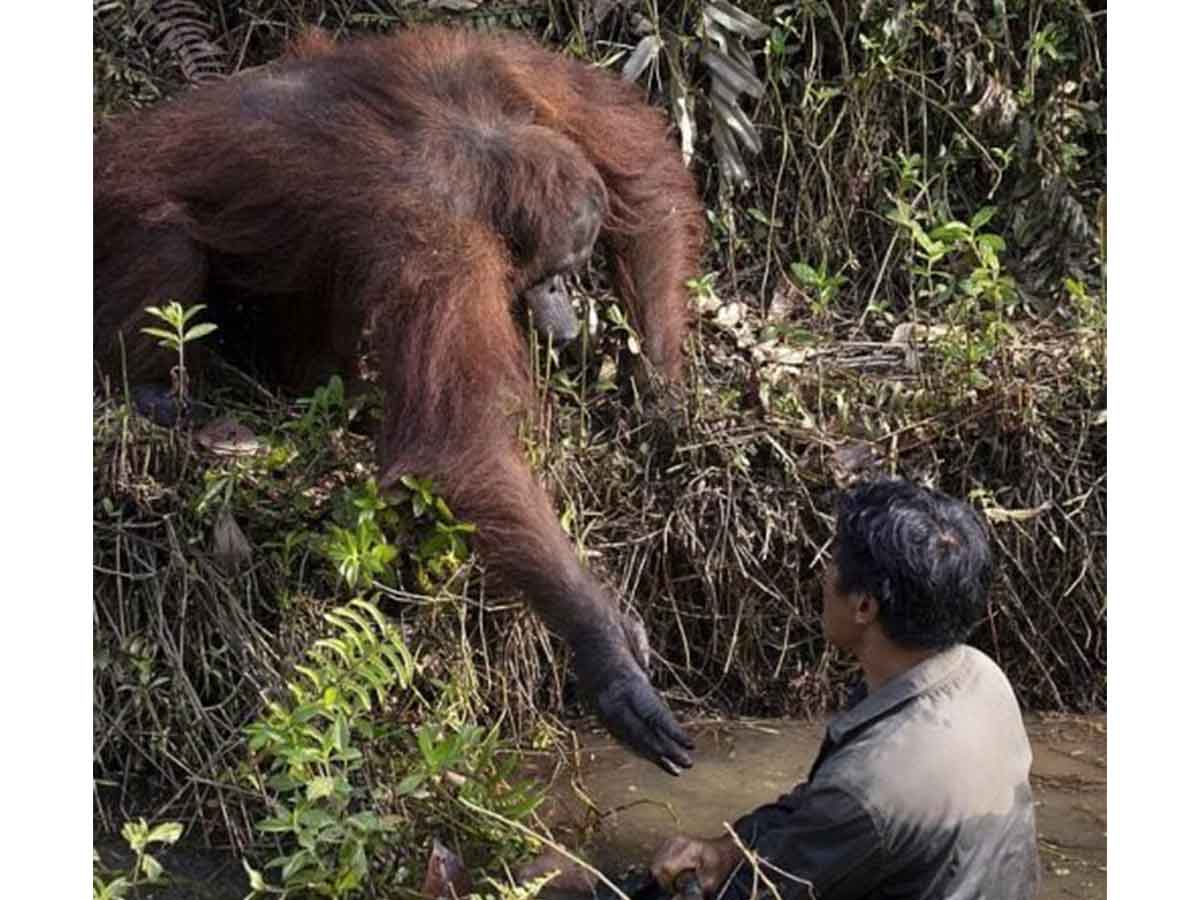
917	680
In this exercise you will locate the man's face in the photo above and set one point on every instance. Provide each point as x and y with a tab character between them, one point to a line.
837	612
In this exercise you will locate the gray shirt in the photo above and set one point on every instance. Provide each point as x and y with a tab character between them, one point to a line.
920	790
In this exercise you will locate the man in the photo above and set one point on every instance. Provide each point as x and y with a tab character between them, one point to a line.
921	787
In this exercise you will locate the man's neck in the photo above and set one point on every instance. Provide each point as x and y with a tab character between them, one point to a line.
882	660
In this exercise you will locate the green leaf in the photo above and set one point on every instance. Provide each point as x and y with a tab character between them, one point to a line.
950	231
341	733
351	755
283	782
363	625
337	647
151	867
347	882
134	834
371	610
256	879
168	336
442	510
805	274
366	821
358	863
982	217
399	666
901	216
993	242
116	889
425	743
317	819
301	756
316	680
936	250
519	810
362	696
191	312
275	825
199	331
295	863
166	833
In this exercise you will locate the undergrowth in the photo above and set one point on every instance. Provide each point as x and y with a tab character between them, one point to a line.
357	766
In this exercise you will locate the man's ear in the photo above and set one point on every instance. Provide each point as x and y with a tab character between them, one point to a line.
866	609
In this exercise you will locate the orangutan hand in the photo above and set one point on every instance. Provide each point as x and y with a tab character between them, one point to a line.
612	675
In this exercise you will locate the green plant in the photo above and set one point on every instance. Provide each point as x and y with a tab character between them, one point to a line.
505	891
309	747
326	409
361	551
960	271
823	287
620	321
986	281
351	792
146	869
1089	311
441	539
177	317
703	288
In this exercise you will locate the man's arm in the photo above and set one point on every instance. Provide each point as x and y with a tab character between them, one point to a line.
817	842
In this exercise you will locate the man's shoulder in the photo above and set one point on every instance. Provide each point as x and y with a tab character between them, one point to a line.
983	684
976	660
957	683
961	737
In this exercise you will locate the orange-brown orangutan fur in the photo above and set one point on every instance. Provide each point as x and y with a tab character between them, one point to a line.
407	188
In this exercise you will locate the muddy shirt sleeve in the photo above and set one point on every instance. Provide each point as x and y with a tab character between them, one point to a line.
816	842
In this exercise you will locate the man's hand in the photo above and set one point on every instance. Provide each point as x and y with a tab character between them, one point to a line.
710	860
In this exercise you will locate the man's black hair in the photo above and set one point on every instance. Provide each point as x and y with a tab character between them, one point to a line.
922	555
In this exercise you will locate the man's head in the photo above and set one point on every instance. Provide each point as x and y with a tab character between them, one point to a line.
912	560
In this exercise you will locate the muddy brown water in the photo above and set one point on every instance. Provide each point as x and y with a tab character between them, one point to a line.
617	809
741	765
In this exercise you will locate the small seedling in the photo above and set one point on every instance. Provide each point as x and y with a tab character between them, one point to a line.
179	335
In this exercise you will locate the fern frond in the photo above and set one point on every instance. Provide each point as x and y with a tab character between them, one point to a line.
183	30
731	71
